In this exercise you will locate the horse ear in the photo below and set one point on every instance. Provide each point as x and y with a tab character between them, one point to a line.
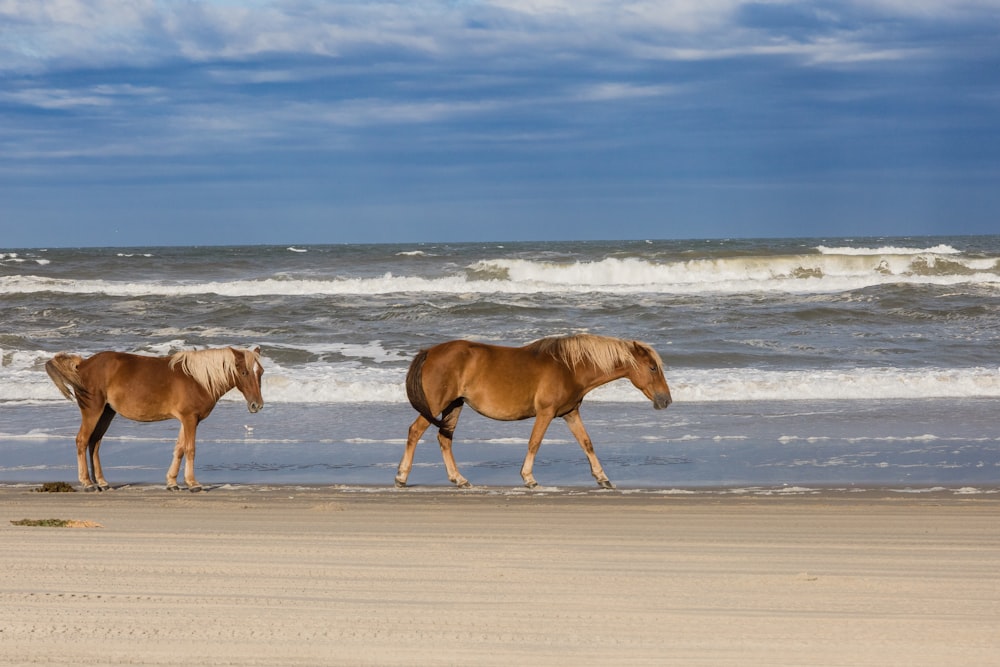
256	350
639	347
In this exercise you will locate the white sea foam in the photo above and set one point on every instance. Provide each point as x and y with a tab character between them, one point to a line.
14	258
941	249
784	273
33	434
804	273
23	379
347	382
373	350
853	384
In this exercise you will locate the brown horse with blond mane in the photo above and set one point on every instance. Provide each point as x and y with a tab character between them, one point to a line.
544	379
184	386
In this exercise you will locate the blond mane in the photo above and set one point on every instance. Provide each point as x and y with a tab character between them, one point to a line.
212	369
604	352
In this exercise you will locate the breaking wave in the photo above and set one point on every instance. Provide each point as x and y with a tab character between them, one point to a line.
826	270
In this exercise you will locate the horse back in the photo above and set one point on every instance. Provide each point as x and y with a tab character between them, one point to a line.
116	367
140	387
469	361
497	381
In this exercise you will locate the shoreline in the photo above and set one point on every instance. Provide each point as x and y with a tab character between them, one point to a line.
287	575
804	490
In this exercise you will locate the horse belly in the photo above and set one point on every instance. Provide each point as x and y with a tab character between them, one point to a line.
506	413
142	396
140	407
504	400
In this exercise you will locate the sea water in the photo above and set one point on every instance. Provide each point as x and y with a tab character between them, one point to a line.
852	362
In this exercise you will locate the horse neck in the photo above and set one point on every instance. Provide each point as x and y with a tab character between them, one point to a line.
224	380
229	385
592	376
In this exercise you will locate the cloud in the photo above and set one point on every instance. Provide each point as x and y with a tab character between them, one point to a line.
223	78
52	98
105	95
45	35
611	91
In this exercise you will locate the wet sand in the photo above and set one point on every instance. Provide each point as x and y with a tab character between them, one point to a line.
276	576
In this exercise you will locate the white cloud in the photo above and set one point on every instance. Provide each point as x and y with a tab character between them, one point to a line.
54	98
611	91
39	34
673	15
822	51
104	95
930	9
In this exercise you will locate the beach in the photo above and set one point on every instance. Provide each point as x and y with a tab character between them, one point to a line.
331	575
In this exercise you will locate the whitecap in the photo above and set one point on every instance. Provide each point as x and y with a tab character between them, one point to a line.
940	249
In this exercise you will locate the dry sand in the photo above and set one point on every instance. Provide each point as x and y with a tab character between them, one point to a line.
329	576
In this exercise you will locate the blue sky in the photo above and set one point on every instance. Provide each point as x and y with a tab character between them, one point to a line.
150	122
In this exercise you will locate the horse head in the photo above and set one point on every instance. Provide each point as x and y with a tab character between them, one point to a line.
647	375
247	376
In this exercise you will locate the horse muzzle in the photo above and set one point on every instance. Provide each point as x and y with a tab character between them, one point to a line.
255	407
661	401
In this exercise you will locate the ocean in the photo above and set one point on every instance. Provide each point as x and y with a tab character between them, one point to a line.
794	363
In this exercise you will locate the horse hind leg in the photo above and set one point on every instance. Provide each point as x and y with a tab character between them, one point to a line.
82	467
94	447
446	435
417	429
90	421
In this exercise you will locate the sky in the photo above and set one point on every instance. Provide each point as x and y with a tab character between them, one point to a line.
208	122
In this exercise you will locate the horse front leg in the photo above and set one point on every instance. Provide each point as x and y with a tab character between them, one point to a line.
188	428
184	449
542	421
417	429
175	463
580	433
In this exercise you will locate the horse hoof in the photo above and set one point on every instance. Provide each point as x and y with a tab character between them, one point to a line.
465	484
173	487
195	489
90	488
104	487
531	485
400	484
605	484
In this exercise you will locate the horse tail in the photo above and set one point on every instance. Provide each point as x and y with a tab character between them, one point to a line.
415	389
64	371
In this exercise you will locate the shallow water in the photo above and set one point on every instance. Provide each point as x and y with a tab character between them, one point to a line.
793	443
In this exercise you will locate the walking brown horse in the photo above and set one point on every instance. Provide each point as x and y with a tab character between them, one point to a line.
544	379
184	386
